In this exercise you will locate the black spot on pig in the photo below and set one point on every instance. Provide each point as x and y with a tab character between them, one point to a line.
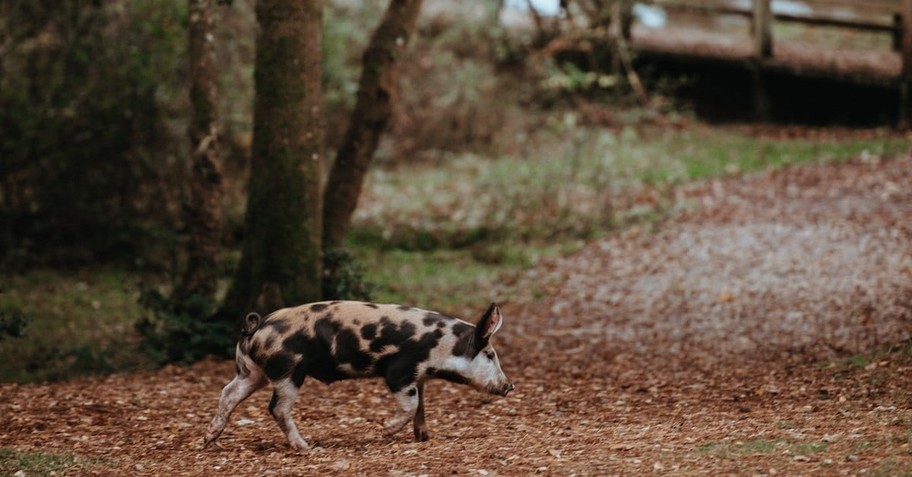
280	326
297	343
404	307
450	376
315	357
400	369
317	307
460	328
278	365
254	349
371	305
392	334
348	351
406	330
465	342
435	319
299	373
268	344
325	329
369	331
273	401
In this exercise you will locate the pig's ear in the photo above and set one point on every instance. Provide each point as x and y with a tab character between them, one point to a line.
490	322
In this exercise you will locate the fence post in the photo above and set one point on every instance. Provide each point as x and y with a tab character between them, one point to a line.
762	29
905	81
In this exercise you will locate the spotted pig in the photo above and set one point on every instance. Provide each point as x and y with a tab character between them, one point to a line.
331	341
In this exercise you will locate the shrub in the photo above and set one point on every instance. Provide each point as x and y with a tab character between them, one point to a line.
183	331
12	324
343	277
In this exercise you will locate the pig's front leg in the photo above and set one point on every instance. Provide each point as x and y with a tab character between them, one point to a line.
420	427
408	400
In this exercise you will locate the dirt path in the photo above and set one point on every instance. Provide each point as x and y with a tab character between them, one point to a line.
722	344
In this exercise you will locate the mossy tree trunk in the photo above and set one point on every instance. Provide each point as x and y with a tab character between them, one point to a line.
377	91
203	213
281	257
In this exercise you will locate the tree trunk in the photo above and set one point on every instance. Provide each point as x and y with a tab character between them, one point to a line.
203	214
374	107
281	258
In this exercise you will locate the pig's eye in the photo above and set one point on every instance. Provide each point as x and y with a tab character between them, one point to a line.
489	355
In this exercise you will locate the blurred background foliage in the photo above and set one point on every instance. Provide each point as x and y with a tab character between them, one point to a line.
87	100
93	108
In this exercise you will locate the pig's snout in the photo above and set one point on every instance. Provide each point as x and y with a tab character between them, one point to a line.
506	389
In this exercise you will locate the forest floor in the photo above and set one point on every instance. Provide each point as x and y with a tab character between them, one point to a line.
762	330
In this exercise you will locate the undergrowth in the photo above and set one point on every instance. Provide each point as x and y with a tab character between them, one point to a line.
16	462
182	331
571	181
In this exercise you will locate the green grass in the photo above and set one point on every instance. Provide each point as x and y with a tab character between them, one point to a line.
574	182
761	446
37	463
893	468
458	281
75	323
446	280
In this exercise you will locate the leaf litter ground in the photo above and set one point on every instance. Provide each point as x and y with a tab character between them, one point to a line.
764	330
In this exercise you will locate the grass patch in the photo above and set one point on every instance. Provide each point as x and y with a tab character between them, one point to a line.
785	424
75	323
574	182
454	281
457	280
761	446
891	467
843	368
37	463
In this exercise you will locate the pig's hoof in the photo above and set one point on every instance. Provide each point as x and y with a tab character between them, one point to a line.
393	426
422	435
210	438
299	445
300	449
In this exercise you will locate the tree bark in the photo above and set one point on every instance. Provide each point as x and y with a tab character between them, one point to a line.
281	257
203	214
377	93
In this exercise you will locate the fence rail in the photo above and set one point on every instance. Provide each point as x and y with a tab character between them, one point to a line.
892	17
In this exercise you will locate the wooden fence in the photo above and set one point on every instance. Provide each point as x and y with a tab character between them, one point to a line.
893	17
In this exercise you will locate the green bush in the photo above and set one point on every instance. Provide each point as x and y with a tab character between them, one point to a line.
343	277
12	324
183	331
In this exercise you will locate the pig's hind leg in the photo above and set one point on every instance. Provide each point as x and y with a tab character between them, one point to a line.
283	397
249	378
